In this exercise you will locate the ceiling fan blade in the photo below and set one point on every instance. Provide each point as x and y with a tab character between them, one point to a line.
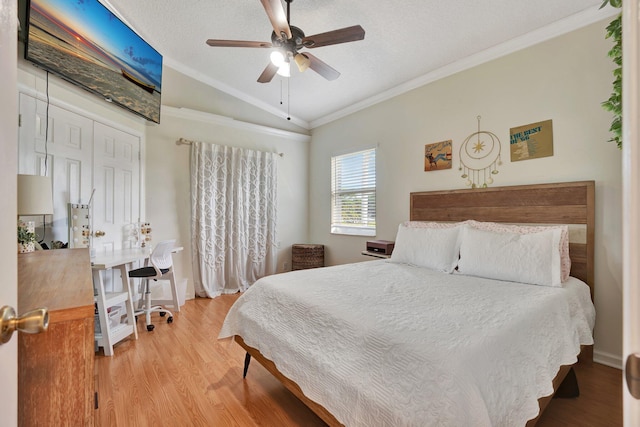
322	67
277	16
268	73
343	35
237	43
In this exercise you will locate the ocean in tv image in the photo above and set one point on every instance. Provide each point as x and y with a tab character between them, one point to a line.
83	42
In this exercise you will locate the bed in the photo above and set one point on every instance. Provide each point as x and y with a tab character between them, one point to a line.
391	342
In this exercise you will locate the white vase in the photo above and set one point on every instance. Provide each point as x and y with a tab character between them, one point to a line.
24	248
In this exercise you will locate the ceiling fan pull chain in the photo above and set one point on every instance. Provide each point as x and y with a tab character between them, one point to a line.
288	99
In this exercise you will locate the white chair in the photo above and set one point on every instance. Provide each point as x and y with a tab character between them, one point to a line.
161	268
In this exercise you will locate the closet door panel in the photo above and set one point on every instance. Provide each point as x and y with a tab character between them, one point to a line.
117	181
62	148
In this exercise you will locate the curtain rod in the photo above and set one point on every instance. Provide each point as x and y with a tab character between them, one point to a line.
183	141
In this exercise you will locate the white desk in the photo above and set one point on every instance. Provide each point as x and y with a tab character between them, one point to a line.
121	259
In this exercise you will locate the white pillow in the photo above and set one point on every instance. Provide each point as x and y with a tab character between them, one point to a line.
526	258
434	248
565	259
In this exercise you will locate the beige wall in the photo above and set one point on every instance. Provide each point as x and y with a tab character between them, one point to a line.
564	79
168	179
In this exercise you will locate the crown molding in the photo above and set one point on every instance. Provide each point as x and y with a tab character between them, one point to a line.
196	75
40	96
201	116
558	28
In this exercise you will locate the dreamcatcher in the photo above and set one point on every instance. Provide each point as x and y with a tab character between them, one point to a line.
479	158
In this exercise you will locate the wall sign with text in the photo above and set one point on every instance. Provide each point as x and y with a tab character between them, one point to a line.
531	141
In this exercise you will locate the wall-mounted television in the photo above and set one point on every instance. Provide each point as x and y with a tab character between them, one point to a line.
84	43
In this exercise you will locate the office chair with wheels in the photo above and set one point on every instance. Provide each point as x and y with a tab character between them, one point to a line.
161	268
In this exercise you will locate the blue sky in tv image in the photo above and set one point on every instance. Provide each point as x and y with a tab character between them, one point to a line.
101	37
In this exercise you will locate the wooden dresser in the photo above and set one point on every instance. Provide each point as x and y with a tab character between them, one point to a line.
56	384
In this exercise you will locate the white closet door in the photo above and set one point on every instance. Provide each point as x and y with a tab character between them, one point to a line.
82	154
116	175
65	155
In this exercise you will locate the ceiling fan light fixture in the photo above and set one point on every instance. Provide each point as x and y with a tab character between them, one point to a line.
302	62
285	69
286	39
277	58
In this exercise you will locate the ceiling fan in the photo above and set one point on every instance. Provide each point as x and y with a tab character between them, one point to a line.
287	40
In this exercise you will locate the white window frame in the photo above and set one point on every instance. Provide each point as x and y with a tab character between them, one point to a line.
357	181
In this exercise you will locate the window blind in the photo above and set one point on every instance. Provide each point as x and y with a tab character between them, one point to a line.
353	193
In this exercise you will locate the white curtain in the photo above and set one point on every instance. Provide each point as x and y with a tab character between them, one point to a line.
233	217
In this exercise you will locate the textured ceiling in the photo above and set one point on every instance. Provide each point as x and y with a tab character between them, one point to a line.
405	43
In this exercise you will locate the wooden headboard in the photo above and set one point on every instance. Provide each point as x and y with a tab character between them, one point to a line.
559	203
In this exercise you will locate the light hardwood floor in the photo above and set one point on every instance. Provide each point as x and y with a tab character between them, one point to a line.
181	375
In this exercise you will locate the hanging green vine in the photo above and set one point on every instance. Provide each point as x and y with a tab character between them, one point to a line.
614	103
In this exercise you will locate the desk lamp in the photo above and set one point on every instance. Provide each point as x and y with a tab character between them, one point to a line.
35	197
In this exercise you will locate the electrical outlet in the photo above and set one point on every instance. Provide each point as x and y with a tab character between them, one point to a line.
285	266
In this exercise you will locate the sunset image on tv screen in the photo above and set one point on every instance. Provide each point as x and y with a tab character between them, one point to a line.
83	42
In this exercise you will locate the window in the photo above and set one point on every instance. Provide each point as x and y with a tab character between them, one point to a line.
353	193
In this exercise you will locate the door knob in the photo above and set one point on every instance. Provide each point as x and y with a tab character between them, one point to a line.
98	233
32	322
632	374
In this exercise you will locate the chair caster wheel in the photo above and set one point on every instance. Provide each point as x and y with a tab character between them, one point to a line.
170	319
162	314
150	328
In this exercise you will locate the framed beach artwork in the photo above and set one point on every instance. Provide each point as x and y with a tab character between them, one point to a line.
437	156
531	141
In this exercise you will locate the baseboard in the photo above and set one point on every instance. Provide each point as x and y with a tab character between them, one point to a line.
608	359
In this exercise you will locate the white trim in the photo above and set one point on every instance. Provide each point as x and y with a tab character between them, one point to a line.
233	92
630	197
344	230
352	150
34	93
189	114
555	29
608	359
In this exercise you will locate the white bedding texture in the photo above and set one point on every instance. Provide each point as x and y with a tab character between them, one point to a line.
385	344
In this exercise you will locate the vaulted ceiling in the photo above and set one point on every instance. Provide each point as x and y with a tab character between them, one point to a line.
407	43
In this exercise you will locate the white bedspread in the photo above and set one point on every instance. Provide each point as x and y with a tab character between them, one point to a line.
383	344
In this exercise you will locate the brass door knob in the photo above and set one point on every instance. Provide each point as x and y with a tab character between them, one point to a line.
32	322
98	233
632	374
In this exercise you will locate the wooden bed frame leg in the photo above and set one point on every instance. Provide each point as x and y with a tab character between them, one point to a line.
247	360
569	386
